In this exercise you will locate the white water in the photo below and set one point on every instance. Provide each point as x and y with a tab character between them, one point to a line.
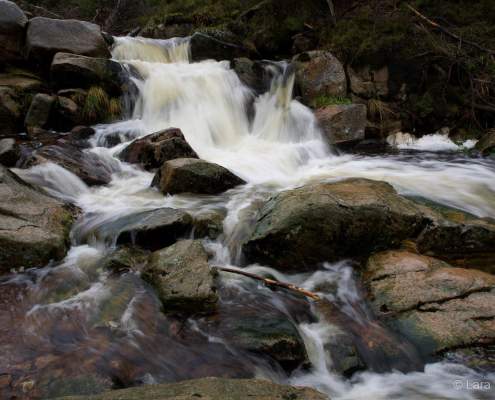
435	142
281	147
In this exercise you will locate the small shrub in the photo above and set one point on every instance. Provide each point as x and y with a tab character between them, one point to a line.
97	106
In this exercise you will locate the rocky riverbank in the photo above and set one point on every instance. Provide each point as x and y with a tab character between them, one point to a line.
133	168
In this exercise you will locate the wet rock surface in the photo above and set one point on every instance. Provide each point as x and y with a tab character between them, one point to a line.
213	388
153	150
182	278
189	175
34	228
436	306
299	228
84	164
151	230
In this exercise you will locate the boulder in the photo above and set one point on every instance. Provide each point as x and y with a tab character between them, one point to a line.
319	75
343	124
204	47
9	152
34	228
45	37
150	230
69	69
368	83
212	388
10	112
435	306
190	175
12	26
457	237
182	278
299	228
250	73
84	164
39	111
486	145
153	150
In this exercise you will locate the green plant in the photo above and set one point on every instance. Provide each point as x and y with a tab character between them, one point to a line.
96	106
325	100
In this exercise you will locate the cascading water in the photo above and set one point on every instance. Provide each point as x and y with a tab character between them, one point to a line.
86	315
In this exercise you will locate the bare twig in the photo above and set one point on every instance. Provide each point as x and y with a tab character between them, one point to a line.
332	11
271	282
449	33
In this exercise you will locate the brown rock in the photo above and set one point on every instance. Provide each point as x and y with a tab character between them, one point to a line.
343	124
190	175
434	305
153	150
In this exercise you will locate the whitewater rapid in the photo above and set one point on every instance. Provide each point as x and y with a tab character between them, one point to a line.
279	146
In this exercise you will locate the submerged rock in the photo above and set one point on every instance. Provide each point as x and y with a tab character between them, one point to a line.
45	37
343	124
189	175
320	75
151	230
34	228
182	278
12	26
153	150
213	388
437	307
84	164
299	228
127	258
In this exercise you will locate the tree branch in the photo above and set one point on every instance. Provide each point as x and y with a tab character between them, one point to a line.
449	33
271	282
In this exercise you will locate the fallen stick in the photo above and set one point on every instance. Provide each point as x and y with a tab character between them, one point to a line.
449	33
271	282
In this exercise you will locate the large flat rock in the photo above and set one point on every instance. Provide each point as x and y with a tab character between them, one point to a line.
34	228
437	307
212	389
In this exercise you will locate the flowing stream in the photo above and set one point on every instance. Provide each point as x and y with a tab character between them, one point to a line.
73	316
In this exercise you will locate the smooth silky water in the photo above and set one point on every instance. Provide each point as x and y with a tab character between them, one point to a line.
73	316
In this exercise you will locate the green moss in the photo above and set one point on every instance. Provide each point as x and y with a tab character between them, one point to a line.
324	100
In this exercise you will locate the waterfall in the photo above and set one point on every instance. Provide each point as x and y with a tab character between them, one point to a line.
273	142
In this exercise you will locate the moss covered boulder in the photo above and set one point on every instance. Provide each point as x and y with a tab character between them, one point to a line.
437	307
34	228
182	278
300	228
